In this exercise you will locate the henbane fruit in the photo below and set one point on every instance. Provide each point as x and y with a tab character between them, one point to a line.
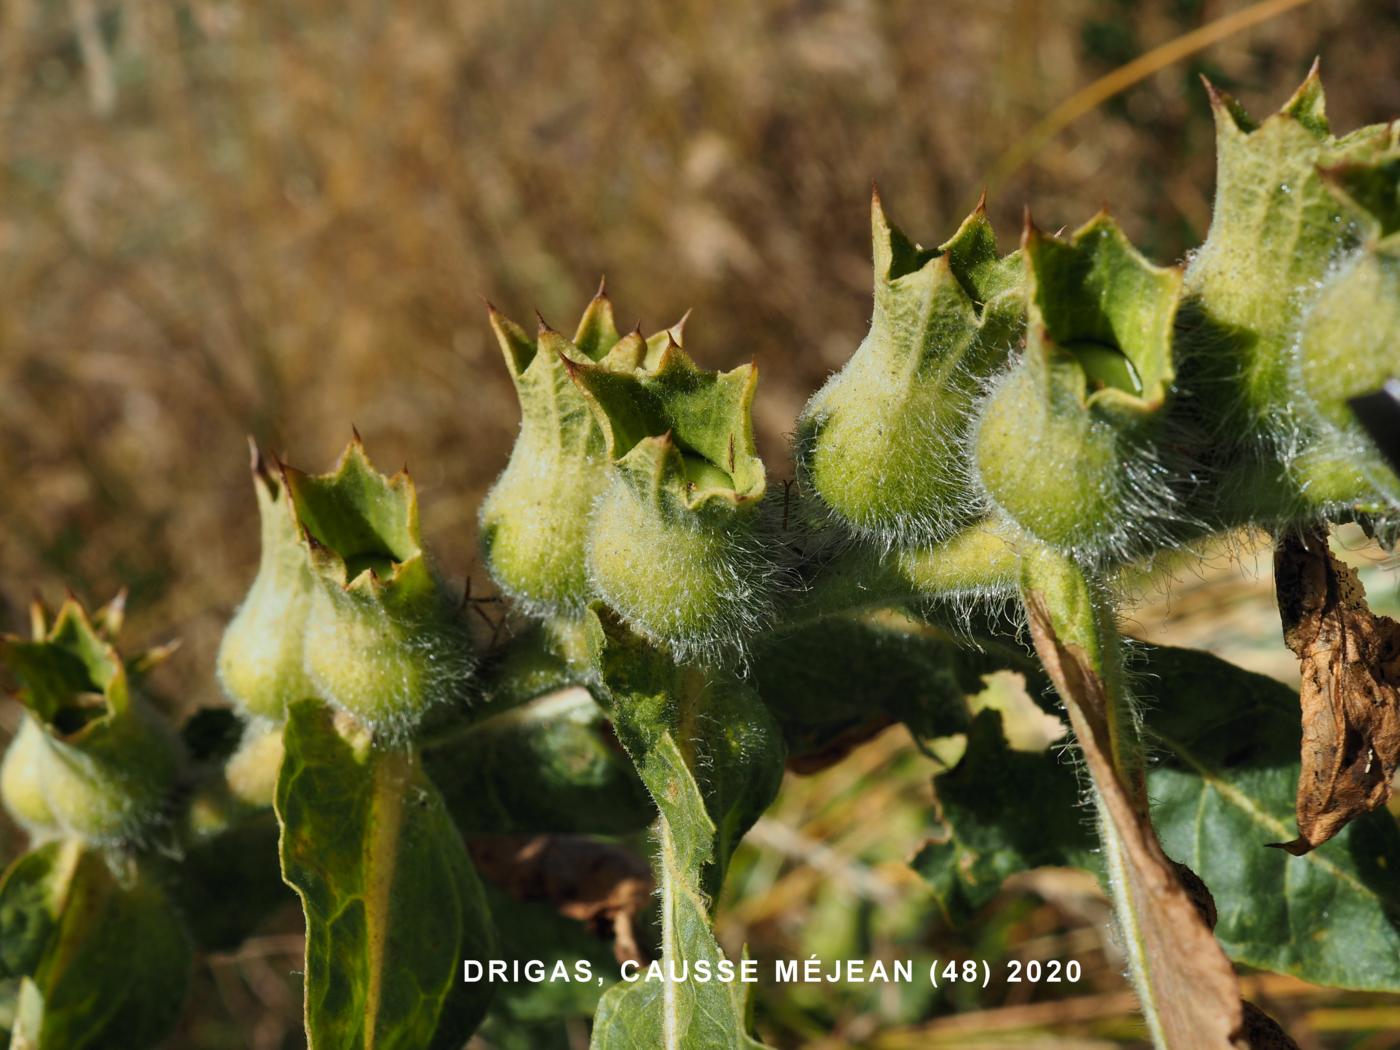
383	640
93	758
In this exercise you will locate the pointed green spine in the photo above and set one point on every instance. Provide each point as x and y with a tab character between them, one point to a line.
880	445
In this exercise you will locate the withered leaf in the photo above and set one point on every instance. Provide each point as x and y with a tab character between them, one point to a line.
1350	696
593	882
1189	991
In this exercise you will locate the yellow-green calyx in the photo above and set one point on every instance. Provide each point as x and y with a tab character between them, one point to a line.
534	520
1348	344
881	443
677	544
260	657
1062	441
1276	234
382	640
251	771
92	759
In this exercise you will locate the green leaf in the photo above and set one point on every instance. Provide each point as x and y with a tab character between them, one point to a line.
547	765
103	960
710	754
841	677
1002	812
1223	789
539	715
544	658
1224	775
229	883
534	930
393	905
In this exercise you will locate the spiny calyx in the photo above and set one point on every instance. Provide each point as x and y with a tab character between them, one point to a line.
677	543
1276	233
1063	443
382	639
260	656
1348	344
92	759
881	443
534	519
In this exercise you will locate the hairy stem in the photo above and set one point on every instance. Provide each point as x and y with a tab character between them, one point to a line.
1187	988
977	562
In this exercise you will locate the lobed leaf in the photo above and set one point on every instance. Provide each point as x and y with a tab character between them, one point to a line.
1221	782
547	765
1002	812
1223	786
836	682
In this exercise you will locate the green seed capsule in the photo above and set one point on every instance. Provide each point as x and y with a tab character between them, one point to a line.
382	640
696	578
534	521
21	780
679	544
881	443
1064	442
252	770
260	657
92	759
1348	346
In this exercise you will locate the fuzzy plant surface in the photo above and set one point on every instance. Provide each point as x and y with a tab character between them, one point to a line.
1017	444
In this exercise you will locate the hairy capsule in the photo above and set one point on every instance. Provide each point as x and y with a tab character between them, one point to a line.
534	521
881	444
382	640
1065	441
92	759
679	544
260	656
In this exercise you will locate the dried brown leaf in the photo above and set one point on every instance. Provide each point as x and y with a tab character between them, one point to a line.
839	746
597	883
1190	993
1350	697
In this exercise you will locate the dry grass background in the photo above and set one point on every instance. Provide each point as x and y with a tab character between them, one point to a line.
222	219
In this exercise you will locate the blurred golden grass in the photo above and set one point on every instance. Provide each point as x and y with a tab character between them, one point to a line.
221	219
224	219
